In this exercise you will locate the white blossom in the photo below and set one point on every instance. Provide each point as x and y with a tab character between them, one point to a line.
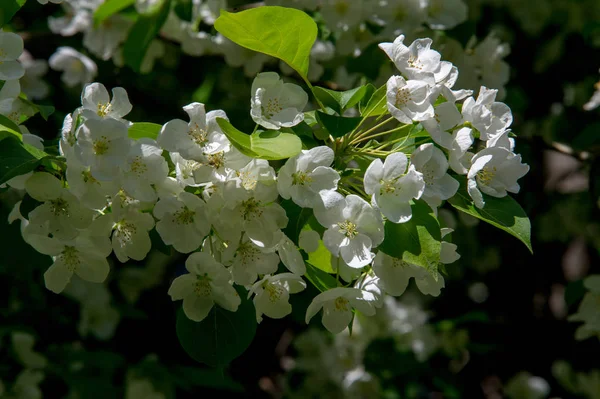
408	101
61	214
77	68
183	221
337	304
488	116
103	145
104	39
275	104
98	105
144	167
32	83
206	283
459	157
272	293
353	228
248	260
432	163
392	184
306	176
130	237
494	171
418	61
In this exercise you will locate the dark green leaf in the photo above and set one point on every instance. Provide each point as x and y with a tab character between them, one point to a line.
270	145
297	218
285	33
144	129
417	241
370	89
45	110
17	158
110	7
323	281
9	129
574	292
142	33
504	213
221	336
337	126
189	377
8	9
183	9
340	101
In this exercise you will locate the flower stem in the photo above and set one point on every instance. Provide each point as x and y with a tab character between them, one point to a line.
363	138
359	136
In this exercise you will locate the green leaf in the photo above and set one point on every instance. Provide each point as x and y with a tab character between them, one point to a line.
8	9
142	33
377	104
337	126
504	213
183	9
17	158
340	101
45	110
321	280
221	336
297	218
418	241
321	258
284	33
270	145
9	129
370	89
574	291
109	8
144	129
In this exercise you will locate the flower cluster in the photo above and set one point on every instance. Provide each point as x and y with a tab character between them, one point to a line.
205	196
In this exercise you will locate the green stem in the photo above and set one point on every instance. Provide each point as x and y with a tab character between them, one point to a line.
358	136
363	138
310	86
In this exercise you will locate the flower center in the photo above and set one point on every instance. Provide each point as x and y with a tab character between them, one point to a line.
216	160
387	187
348	229
273	107
251	209
125	230
428	176
138	167
413	62
103	109
202	286
341	304
249	182
70	256
486	175
198	135
402	97
273	291
301	178
59	207
87	177
248	253
101	145
184	216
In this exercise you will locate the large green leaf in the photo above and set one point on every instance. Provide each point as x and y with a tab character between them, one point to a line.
270	145
504	213
8	9
285	33
221	336
340	101
377	104
321	280
297	218
142	33
9	129
110	7
17	158
337	126
418	241
144	129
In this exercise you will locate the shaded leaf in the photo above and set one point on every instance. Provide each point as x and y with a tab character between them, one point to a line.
337	126
109	8
504	213
321	280
340	101
17	158
417	241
